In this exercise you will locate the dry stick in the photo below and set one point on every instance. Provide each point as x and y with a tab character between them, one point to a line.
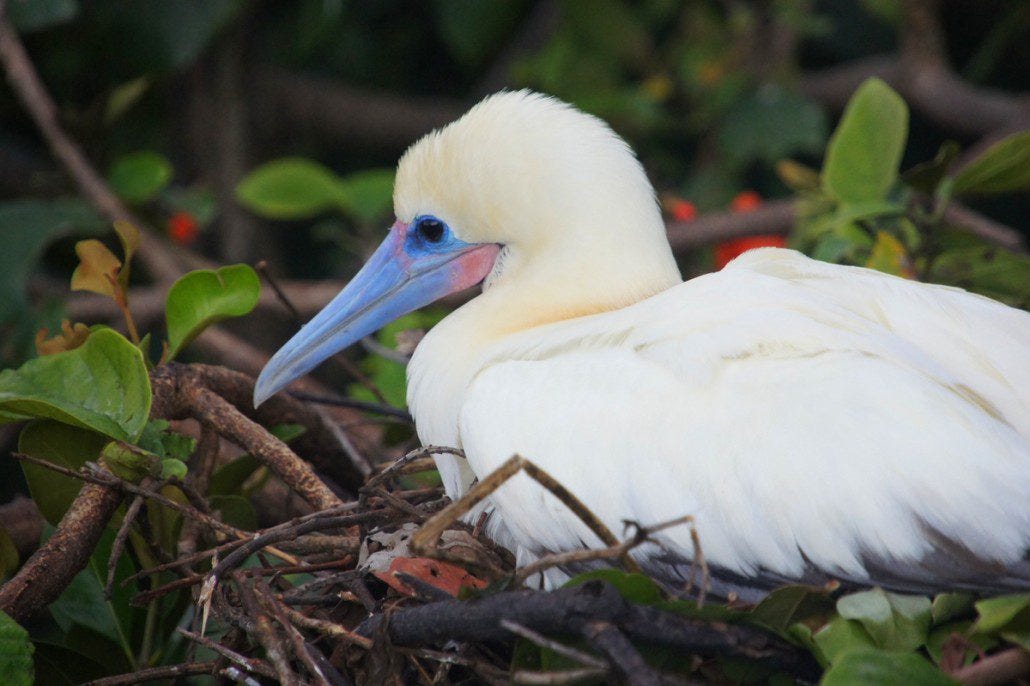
641	536
297	642
278	533
624	658
399	466
102	477
213	410
155	673
251	664
52	567
327	628
424	541
567	610
1000	668
338	401
565	677
265	633
119	543
542	641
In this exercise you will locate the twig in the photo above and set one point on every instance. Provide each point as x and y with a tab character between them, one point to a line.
338	401
641	536
156	673
262	269
119	543
424	540
265	634
300	648
327	628
250	664
542	641
624	658
1000	668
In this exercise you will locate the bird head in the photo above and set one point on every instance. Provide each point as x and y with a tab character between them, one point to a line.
520	176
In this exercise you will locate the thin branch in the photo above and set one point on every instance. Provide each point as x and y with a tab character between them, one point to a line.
25	82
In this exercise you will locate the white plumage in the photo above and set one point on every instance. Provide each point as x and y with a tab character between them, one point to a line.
816	420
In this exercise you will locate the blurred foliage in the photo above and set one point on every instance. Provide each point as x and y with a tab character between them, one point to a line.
702	89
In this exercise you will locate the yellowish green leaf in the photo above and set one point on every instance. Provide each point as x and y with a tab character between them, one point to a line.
98	268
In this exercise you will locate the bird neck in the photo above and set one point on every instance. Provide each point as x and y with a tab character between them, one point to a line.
528	293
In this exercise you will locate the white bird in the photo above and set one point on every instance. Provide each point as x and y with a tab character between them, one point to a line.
817	421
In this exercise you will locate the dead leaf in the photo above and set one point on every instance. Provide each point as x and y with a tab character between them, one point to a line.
70	337
98	268
889	256
442	575
129	235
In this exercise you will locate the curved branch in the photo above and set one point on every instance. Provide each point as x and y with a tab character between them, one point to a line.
46	574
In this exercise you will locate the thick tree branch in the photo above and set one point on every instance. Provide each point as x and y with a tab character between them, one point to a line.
569	610
46	574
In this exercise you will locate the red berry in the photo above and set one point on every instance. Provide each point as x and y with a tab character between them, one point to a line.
728	250
183	228
746	201
682	210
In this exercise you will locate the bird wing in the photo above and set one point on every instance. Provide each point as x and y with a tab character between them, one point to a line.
813	419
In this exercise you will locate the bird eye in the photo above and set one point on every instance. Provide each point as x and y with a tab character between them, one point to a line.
431	229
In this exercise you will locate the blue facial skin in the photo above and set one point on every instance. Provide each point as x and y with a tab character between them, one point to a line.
415	265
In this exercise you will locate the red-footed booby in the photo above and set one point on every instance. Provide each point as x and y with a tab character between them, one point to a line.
817	421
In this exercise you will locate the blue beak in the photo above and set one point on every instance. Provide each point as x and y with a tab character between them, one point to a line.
402	275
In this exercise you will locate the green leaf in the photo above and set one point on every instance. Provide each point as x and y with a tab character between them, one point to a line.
35	15
291	188
839	636
172	468
140	176
786	606
58	665
865	151
889	256
101	385
68	446
367	195
205	297
926	176
1007	616
990	271
28	226
473	30
15	653
157	438
83	602
1002	168
635	588
949	606
230	478
129	462
771	124
896	622
870	667
235	510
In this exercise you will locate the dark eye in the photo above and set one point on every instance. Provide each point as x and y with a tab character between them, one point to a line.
431	229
